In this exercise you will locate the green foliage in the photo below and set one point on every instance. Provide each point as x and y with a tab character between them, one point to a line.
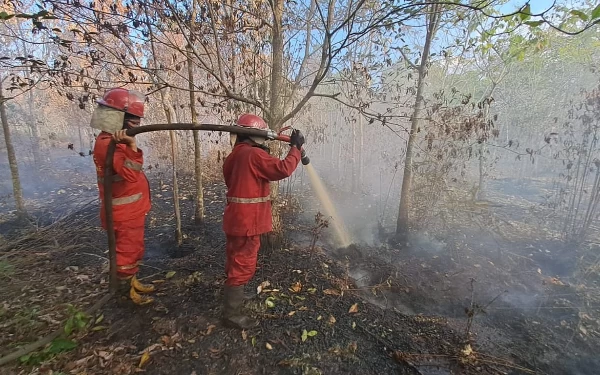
582	16
5	16
596	12
57	346
77	320
525	13
6	269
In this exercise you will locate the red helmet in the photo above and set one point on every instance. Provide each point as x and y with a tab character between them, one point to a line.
128	101
249	120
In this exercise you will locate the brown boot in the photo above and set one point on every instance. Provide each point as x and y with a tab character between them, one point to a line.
232	314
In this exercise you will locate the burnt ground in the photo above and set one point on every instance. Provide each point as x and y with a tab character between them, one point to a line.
366	309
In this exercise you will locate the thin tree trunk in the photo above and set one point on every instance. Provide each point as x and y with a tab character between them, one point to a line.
361	149
165	100
276	101
353	156
199	209
35	133
12	158
81	144
275	239
403	210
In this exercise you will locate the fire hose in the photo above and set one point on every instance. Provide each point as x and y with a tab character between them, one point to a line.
108	171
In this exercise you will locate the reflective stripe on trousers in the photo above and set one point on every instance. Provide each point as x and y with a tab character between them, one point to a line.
248	200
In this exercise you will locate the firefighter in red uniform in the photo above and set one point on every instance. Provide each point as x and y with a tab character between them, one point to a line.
247	171
117	111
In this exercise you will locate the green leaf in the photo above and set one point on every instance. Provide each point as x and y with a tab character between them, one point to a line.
254	341
25	358
270	303
304	335
533	23
69	326
312	333
525	13
170	274
99	319
580	14
61	345
99	328
5	16
596	12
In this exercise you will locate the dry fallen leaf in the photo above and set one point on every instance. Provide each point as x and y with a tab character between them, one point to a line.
291	313
332	319
170	274
331	292
296	288
210	329
352	347
353	309
268	346
262	286
244	335
145	358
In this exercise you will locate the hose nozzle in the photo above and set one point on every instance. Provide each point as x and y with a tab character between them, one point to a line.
305	160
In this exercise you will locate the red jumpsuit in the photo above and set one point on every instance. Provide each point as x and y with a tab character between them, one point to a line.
131	201
248	171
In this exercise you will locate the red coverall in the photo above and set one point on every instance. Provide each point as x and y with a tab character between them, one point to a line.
247	172
131	201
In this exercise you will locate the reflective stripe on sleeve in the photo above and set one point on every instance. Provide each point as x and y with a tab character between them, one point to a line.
128	163
248	200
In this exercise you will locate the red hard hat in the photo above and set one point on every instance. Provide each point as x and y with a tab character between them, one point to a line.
128	101
249	120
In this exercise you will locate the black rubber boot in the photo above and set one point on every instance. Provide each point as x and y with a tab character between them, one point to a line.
232	313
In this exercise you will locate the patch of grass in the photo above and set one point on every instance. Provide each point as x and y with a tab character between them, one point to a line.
57	346
6	269
27	318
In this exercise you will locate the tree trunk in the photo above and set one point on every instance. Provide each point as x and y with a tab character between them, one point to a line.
275	239
483	149
403	211
81	143
276	101
35	133
199	209
12	158
353	170
361	149
169	113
